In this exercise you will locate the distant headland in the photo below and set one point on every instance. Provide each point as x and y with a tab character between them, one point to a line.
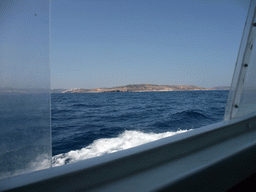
126	88
140	88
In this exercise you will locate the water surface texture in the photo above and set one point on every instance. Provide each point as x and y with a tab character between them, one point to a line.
86	125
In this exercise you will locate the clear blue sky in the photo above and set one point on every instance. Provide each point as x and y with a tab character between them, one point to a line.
105	43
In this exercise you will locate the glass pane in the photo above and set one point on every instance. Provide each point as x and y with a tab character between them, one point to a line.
248	97
242	95
120	68
25	135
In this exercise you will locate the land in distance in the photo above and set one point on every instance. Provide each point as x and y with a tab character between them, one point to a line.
126	88
221	88
140	88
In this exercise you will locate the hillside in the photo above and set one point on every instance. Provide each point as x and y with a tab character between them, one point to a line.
138	88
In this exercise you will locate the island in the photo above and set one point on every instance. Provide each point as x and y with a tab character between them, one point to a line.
126	88
139	88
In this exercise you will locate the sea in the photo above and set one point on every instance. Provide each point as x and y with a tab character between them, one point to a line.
86	125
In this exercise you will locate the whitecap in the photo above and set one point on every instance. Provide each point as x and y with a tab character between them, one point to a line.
126	140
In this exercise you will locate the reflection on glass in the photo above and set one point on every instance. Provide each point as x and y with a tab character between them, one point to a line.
248	100
25	135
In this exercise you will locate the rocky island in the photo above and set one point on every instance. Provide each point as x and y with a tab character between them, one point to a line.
139	88
126	88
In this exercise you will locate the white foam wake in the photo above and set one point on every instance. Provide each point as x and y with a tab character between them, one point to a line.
127	139
42	161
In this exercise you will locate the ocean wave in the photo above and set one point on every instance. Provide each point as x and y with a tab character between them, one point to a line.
183	119
40	162
86	105
126	140
197	114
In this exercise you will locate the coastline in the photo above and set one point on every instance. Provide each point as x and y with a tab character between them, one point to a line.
142	88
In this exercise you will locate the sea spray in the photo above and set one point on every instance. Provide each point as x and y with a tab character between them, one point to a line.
126	140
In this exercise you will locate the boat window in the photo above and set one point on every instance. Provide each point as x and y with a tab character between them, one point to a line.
132	47
120	52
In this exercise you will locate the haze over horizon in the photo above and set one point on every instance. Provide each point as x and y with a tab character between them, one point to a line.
113	43
137	84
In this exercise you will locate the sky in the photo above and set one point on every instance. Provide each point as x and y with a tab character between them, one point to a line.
24	44
106	43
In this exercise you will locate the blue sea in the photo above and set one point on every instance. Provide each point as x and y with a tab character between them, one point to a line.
85	125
